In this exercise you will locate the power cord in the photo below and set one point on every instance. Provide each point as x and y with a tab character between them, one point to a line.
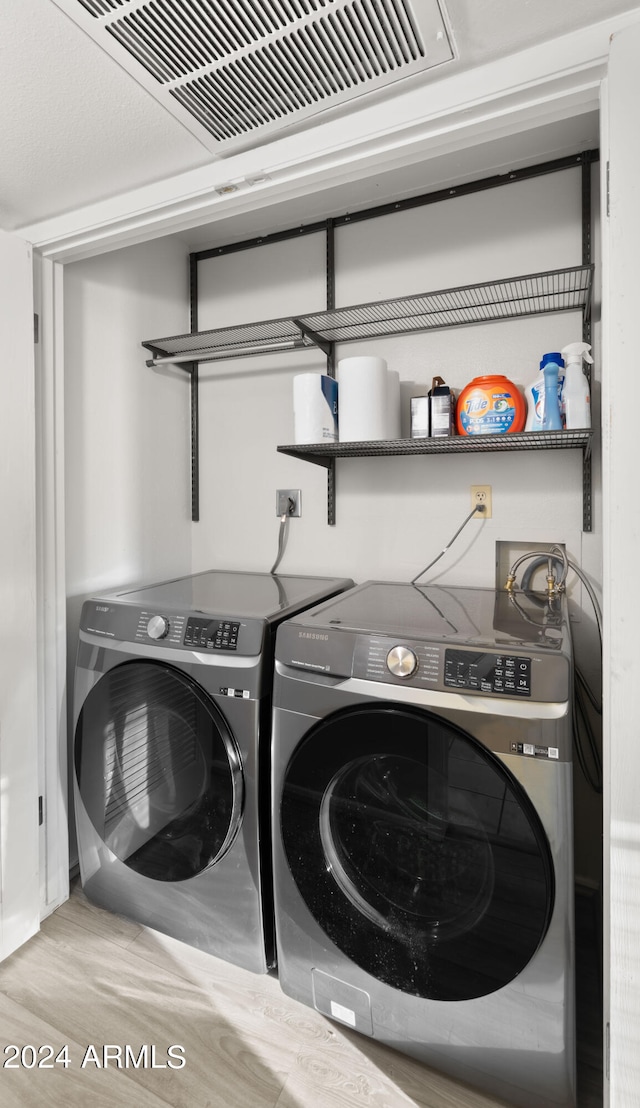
283	534
474	512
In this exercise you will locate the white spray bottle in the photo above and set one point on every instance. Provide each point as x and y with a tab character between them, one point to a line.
575	395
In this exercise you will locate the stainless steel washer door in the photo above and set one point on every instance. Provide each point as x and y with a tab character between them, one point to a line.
416	851
158	771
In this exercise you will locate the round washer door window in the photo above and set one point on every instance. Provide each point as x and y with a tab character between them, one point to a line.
158	771
417	852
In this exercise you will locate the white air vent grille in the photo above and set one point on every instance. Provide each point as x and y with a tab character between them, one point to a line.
102	7
299	70
240	68
190	35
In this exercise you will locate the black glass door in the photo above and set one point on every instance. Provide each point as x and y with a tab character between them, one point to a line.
158	771
417	852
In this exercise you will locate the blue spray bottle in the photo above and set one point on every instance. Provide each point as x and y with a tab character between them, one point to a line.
551	418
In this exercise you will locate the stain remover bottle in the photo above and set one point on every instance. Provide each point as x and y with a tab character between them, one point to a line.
576	396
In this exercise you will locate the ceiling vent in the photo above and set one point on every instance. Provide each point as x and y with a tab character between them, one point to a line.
236	71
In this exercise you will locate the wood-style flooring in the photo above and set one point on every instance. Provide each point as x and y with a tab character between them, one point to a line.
91	980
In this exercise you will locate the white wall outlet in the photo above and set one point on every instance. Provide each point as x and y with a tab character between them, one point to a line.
288	502
481	498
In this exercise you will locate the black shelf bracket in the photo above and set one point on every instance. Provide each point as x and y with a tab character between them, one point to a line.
313	338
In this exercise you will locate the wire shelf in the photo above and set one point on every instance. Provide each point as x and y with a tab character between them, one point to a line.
227	342
323	453
558	290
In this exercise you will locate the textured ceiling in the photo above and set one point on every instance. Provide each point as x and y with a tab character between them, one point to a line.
76	127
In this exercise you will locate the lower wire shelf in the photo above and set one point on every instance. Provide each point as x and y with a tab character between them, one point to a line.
325	453
321	453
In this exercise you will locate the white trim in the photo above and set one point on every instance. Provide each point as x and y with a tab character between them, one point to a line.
19	894
605	891
621	532
554	80
54	851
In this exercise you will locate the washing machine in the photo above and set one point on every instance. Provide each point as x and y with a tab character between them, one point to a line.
172	716
422	798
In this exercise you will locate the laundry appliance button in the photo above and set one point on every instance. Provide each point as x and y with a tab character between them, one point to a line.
157	627
401	661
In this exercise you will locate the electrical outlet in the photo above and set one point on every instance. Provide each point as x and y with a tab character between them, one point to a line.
481	498
288	502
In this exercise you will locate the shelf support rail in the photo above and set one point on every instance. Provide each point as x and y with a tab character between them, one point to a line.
330	280
587	476
195	450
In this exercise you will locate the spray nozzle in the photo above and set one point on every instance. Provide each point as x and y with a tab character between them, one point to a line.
576	351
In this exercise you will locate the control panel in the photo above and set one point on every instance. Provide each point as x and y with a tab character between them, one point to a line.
509	674
211	634
472	670
432	665
171	630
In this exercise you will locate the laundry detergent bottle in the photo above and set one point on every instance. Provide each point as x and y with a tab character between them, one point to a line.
576	395
490	405
535	395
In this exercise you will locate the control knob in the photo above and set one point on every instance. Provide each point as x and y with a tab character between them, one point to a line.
401	661
157	627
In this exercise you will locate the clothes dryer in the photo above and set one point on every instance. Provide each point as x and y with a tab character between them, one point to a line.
172	715
422	794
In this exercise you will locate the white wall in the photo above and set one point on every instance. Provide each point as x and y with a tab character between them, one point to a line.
128	506
127	486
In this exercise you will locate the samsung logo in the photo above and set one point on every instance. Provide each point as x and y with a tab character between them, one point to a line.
312	635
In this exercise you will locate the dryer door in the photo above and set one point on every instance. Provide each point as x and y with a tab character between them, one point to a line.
416	851
158	771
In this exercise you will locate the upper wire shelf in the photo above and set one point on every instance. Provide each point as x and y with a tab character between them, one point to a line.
557	290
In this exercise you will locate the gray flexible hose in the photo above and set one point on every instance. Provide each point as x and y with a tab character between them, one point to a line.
472	513
282	542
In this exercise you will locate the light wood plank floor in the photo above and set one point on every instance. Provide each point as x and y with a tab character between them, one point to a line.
90	978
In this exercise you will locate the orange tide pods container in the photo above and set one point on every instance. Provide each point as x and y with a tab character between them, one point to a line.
490	405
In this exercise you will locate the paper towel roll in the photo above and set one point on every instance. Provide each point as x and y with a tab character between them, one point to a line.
363	398
394	422
315	408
